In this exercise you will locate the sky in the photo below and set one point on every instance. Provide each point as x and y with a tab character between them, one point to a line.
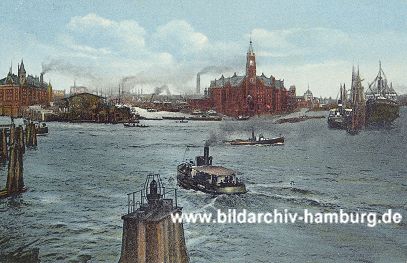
147	44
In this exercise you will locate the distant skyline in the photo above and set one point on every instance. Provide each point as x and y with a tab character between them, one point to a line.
152	43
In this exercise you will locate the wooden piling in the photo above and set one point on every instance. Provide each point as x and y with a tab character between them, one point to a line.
34	134
12	134
11	182
15	181
3	146
27	133
21	139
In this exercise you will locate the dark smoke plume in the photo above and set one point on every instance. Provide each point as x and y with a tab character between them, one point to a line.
214	69
213	138
62	66
159	90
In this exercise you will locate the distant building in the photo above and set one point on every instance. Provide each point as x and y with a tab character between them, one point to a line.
246	95
307	100
58	94
90	107
73	90
17	92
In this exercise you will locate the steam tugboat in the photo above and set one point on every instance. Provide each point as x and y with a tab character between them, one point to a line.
203	176
260	140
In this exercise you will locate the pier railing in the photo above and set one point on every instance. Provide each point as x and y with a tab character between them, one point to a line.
138	199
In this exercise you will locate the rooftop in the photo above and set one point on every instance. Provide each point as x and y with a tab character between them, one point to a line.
215	170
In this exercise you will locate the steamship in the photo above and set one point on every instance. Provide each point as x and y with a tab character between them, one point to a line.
258	141
201	175
382	106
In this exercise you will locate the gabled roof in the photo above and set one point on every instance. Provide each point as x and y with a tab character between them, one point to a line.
234	81
30	80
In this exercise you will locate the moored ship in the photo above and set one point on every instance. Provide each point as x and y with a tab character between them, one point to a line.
339	117
382	106
205	177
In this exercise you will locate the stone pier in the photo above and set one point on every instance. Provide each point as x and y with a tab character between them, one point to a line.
149	235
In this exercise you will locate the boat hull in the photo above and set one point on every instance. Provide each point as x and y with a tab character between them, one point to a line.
337	122
42	131
279	140
186	182
381	111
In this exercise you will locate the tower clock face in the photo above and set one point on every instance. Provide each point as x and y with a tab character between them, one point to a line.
251	62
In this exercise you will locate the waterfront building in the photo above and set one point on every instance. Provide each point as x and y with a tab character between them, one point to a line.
93	108
18	92
307	100
249	94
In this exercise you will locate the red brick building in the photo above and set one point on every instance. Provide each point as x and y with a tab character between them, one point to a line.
249	94
17	92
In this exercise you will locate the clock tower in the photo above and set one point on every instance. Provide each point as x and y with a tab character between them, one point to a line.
250	77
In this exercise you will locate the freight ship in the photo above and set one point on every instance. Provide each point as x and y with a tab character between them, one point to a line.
205	177
382	106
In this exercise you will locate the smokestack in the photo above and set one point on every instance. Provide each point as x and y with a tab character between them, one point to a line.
198	83
42	77
206	154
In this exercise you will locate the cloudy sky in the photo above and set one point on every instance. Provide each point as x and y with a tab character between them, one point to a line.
152	43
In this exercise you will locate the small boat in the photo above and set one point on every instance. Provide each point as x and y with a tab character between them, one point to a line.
204	118
205	177
182	121
258	141
134	125
41	128
242	118
131	124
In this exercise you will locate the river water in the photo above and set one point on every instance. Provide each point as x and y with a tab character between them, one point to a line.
80	173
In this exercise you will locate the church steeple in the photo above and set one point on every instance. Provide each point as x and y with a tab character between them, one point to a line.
22	73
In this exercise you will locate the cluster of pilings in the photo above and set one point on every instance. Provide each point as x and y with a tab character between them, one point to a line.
12	150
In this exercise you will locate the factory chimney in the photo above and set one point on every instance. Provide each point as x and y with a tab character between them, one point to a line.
42	77
198	83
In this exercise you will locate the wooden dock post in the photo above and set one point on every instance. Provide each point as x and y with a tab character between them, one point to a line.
149	234
3	146
21	140
34	134
31	135
27	133
15	181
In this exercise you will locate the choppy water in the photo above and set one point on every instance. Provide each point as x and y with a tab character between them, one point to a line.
79	176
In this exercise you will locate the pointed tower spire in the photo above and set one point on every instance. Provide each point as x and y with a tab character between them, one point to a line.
22	69
250	51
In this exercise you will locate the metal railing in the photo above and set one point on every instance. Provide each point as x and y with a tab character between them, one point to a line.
138	199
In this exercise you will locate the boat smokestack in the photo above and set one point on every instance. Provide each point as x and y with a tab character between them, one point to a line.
198	83
206	154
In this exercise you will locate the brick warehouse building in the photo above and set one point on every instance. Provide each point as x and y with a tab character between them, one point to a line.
17	92
249	94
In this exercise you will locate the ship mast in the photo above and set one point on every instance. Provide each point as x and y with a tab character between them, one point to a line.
379	87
